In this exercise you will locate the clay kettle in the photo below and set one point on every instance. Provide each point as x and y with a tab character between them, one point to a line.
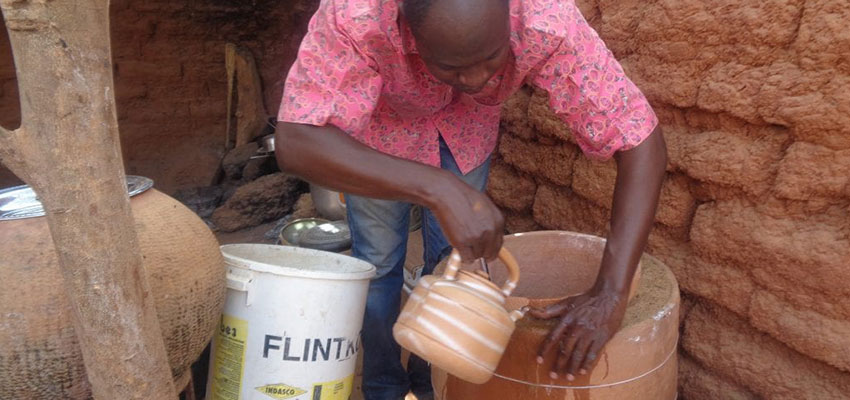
458	321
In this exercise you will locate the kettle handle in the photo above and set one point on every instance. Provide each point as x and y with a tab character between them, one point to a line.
454	263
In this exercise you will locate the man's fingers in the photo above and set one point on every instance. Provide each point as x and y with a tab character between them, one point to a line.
498	232
592	356
494	244
553	338
577	356
487	245
551	311
567	344
466	253
478	249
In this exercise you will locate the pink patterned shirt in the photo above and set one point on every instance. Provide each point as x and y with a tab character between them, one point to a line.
358	69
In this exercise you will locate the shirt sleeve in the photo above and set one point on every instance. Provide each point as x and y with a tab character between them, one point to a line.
589	91
331	81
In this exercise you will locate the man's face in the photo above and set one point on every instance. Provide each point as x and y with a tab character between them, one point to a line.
465	54
468	74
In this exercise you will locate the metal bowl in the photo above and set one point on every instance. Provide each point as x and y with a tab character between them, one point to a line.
290	233
331	236
21	202
267	144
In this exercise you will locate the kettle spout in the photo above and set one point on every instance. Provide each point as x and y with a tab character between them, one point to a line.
517	315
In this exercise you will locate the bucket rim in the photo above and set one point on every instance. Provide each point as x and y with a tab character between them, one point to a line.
367	270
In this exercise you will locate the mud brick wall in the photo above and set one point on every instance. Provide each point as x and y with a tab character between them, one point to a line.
754	100
170	78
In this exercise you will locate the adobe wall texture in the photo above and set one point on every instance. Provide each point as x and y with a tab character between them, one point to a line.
753	99
754	215
170	78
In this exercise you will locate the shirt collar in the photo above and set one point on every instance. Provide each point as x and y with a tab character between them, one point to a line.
404	39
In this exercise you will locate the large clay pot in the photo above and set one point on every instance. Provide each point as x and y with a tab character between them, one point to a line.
39	354
638	363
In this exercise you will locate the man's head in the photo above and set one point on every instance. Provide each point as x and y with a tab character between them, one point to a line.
462	42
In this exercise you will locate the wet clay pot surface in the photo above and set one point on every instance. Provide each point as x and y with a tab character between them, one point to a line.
639	362
39	354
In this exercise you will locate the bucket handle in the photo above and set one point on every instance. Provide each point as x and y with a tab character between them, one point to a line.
453	266
242	281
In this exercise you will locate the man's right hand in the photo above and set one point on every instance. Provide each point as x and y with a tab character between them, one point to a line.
471	222
329	157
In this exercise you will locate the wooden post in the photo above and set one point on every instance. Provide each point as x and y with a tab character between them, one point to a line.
250	114
67	149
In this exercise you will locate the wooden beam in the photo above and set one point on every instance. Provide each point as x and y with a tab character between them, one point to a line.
8	156
70	155
243	83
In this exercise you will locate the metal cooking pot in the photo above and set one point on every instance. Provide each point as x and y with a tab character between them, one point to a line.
267	144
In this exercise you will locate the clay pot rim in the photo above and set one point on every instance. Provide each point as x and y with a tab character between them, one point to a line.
559	233
546	301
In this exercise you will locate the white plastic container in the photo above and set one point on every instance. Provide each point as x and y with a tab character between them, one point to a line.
291	324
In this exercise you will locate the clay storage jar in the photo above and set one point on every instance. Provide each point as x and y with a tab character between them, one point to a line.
39	354
638	363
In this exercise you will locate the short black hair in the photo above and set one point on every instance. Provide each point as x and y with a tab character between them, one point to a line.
415	12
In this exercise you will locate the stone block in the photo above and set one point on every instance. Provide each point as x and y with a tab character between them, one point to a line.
676	205
515	114
544	120
265	199
595	180
589	10
823	37
664	82
816	105
701	23
516	222
724	343
810	171
236	159
258	167
724	284
807	331
510	189
728	159
811	102
559	208
554	163
800	296
810	253
698	383
732	87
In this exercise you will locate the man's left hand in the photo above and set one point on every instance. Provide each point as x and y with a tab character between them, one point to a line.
588	321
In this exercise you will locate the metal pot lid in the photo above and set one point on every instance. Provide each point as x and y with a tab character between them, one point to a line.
332	236
19	202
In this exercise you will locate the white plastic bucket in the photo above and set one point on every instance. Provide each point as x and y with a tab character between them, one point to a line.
291	324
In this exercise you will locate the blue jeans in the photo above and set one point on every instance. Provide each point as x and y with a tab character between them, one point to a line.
379	231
